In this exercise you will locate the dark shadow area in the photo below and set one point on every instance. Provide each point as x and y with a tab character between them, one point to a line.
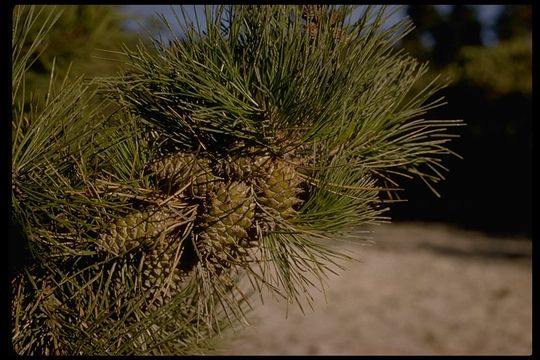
482	253
490	189
19	254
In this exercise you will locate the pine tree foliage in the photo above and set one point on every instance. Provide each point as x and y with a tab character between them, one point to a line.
81	37
237	152
100	239
305	108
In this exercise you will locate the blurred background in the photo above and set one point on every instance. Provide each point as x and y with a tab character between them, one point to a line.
487	51
450	275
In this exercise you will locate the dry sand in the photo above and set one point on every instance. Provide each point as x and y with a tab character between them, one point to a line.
419	289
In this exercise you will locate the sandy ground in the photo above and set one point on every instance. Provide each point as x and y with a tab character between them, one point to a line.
419	289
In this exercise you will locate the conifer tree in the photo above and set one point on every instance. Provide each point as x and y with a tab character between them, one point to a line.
236	152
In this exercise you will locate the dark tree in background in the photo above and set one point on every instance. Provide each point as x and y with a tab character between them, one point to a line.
490	188
514	21
448	33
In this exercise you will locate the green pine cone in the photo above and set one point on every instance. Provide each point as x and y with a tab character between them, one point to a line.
161	275
229	217
137	229
277	193
242	168
181	170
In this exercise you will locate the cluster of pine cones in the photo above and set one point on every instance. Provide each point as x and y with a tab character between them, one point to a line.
236	200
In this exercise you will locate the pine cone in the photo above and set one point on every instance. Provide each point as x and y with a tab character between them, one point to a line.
242	168
176	171
277	193
230	214
161	273
137	229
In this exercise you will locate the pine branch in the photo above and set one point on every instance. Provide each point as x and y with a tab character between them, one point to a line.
237	151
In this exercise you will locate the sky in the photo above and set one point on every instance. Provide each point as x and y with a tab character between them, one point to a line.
486	13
